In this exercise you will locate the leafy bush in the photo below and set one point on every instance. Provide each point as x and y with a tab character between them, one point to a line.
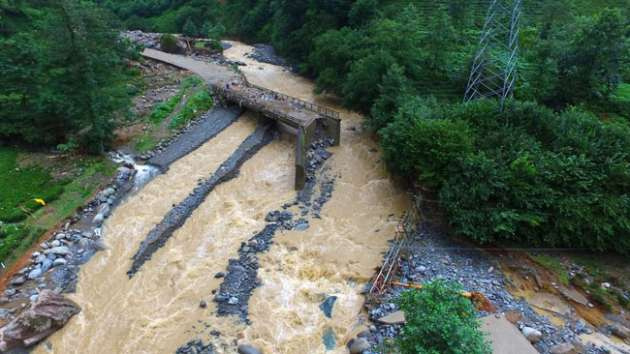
440	321
168	43
144	143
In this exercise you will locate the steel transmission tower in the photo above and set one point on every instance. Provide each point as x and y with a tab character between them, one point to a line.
493	71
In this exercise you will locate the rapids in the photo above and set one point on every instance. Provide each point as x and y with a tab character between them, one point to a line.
158	309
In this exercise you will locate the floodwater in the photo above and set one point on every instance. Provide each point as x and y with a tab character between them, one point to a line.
158	309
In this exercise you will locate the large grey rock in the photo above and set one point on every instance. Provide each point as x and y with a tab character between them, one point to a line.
104	209
248	349
532	334
35	273
46	265
358	345
49	313
59	262
393	318
505	337
61	251
327	306
18	281
108	192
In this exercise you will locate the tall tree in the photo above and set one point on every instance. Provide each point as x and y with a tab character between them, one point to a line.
63	67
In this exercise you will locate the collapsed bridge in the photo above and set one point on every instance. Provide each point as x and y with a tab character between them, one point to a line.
298	117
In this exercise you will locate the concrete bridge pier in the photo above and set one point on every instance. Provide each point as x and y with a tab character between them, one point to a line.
304	137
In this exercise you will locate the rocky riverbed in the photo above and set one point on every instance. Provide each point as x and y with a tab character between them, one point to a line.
240	280
54	266
431	254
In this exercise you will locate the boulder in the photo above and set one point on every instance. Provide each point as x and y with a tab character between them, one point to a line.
61	251
532	334
49	313
18	281
393	318
248	349
358	345
46	265
59	262
35	273
108	192
327	306
98	219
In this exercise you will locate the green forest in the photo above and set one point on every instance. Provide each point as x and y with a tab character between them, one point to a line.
552	168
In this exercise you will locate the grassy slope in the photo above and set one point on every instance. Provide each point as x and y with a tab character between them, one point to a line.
174	113
23	220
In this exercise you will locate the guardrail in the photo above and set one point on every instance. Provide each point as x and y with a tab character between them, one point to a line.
255	104
327	112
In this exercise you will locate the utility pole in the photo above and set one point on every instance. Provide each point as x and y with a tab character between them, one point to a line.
493	72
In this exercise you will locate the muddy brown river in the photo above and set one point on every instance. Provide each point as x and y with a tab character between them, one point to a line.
158	309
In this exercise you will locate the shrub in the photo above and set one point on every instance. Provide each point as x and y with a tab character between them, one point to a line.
168	43
440	320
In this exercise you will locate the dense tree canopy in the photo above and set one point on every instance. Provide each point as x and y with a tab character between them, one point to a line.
61	64
551	169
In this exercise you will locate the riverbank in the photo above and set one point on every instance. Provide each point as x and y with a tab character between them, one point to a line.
54	262
554	317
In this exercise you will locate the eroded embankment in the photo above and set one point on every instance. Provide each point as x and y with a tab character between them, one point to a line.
176	217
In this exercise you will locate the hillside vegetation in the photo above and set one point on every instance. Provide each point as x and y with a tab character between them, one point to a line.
552	169
63	74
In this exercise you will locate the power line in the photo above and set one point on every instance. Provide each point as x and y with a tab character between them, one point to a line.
493	72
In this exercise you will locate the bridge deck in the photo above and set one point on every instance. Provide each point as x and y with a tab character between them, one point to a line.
302	116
